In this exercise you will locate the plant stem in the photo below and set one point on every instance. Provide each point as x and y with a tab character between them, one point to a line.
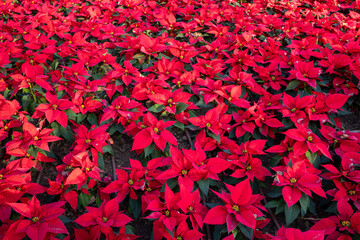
206	225
189	138
40	173
113	162
38	179
270	212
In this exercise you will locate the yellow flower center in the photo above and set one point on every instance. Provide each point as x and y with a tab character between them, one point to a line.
346	224
6	127
82	106
167	213
156	130
104	219
208	125
87	141
184	172
230	98
236	208
352	192
148	189
269	104
1	176
190	209
313	109
87	169
293	110
75	73
130	182
36	138
54	106
35	219
293	180
117	107
248	168
309	138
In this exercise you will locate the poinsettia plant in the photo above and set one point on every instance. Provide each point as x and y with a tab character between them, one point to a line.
182	119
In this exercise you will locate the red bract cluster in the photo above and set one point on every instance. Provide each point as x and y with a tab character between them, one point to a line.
232	111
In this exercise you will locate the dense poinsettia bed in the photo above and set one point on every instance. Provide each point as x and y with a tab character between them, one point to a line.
232	107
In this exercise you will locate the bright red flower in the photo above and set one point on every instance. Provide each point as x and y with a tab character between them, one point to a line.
166	214
298	179
86	139
214	120
154	132
54	110
241	206
126	183
306	72
40	219
104	217
307	140
295	234
342	226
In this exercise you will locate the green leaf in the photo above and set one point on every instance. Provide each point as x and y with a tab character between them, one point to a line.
304	203
276	192
292	85
332	208
156	108
273	204
25	100
179	125
71	114
116	128
328	46
65	219
171	183
311	156
248	232
67	133
291	213
149	149
101	163
180	107
80	117
83	199
204	185
156	153
280	208
135	206
216	137
98	200
92	119
108	149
